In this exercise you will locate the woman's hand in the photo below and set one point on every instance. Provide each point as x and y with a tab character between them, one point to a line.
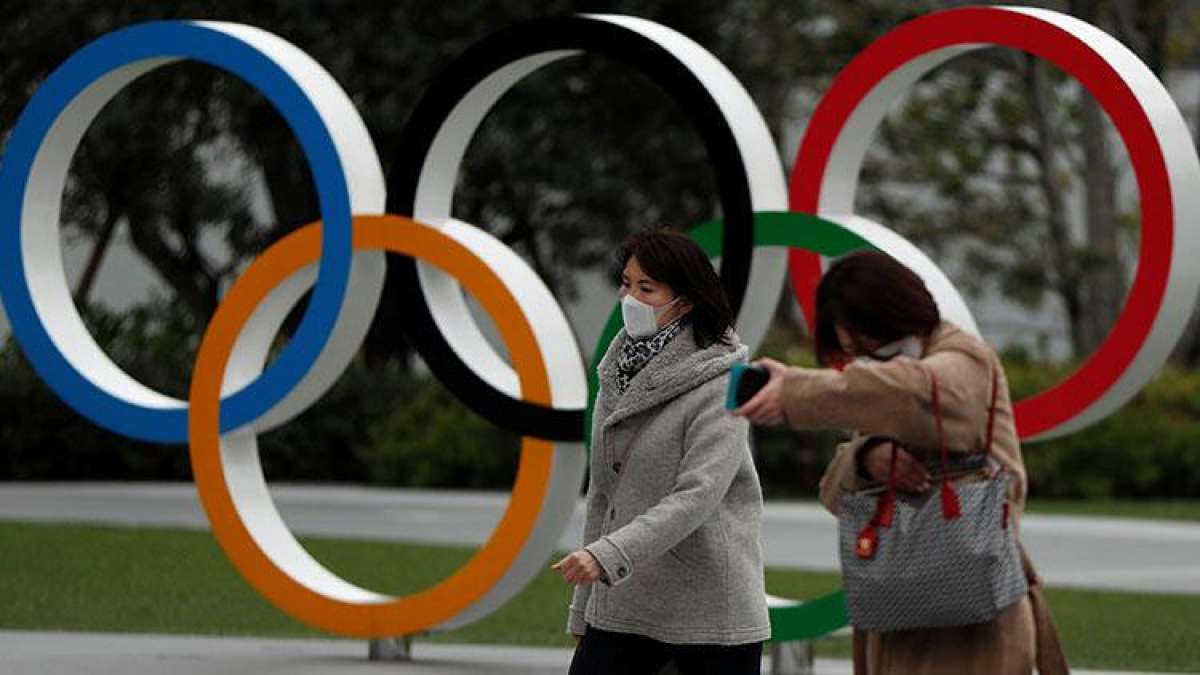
578	568
766	407
911	475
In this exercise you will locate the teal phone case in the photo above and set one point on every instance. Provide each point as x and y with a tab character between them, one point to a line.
735	376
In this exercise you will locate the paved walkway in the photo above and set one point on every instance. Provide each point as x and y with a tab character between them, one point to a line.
35	653
1107	553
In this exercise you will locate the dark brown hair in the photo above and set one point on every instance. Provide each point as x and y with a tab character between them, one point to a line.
875	296
673	259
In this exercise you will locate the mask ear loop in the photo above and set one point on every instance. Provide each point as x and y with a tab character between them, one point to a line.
659	311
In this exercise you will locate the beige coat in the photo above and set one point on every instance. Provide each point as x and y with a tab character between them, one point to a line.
894	400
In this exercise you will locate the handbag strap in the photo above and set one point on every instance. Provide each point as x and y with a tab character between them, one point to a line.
991	424
867	541
885	508
951	507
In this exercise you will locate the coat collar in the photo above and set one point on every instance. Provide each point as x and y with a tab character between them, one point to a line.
680	367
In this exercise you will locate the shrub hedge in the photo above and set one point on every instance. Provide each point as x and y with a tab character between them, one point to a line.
392	426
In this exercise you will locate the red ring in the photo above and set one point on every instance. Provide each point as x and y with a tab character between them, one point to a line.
1008	28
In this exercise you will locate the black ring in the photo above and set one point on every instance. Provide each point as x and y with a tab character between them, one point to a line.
596	36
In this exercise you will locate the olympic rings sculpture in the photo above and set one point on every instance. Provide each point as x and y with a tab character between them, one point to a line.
544	393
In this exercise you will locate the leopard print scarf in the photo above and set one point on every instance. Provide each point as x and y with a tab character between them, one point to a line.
636	353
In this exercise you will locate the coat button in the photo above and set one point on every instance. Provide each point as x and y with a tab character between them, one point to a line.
621	572
616	467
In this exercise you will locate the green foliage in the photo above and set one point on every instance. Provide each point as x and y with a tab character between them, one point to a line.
45	439
1153	509
320	445
568	163
385	425
1147	449
790	463
381	425
432	440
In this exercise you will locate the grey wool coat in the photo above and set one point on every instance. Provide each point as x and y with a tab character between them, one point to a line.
674	504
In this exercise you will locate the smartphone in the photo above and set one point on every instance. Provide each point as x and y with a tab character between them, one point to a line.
745	380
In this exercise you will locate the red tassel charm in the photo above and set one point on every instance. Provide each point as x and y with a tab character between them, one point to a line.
951	509
887	509
867	543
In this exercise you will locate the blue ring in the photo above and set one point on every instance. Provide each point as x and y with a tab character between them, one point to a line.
174	39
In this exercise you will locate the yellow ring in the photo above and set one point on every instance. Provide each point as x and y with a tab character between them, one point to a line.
397	616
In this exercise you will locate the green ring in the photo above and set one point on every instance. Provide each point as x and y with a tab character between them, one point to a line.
827	613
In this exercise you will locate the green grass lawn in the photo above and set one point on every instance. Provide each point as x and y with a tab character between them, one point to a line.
86	578
1188	510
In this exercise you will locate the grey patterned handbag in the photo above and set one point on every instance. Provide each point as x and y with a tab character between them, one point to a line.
919	562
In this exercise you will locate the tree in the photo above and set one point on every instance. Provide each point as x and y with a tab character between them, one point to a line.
567	165
984	158
585	151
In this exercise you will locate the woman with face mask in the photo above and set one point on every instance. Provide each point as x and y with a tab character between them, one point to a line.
671	567
882	340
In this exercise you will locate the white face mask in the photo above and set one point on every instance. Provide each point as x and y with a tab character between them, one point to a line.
641	320
910	346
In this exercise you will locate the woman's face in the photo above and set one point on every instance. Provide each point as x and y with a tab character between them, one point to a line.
637	283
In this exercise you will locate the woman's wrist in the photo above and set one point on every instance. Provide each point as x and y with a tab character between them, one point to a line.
860	458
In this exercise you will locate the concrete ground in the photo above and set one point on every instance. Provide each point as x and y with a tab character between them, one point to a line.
36	653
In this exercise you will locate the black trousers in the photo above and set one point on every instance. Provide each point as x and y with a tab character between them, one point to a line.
602	652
